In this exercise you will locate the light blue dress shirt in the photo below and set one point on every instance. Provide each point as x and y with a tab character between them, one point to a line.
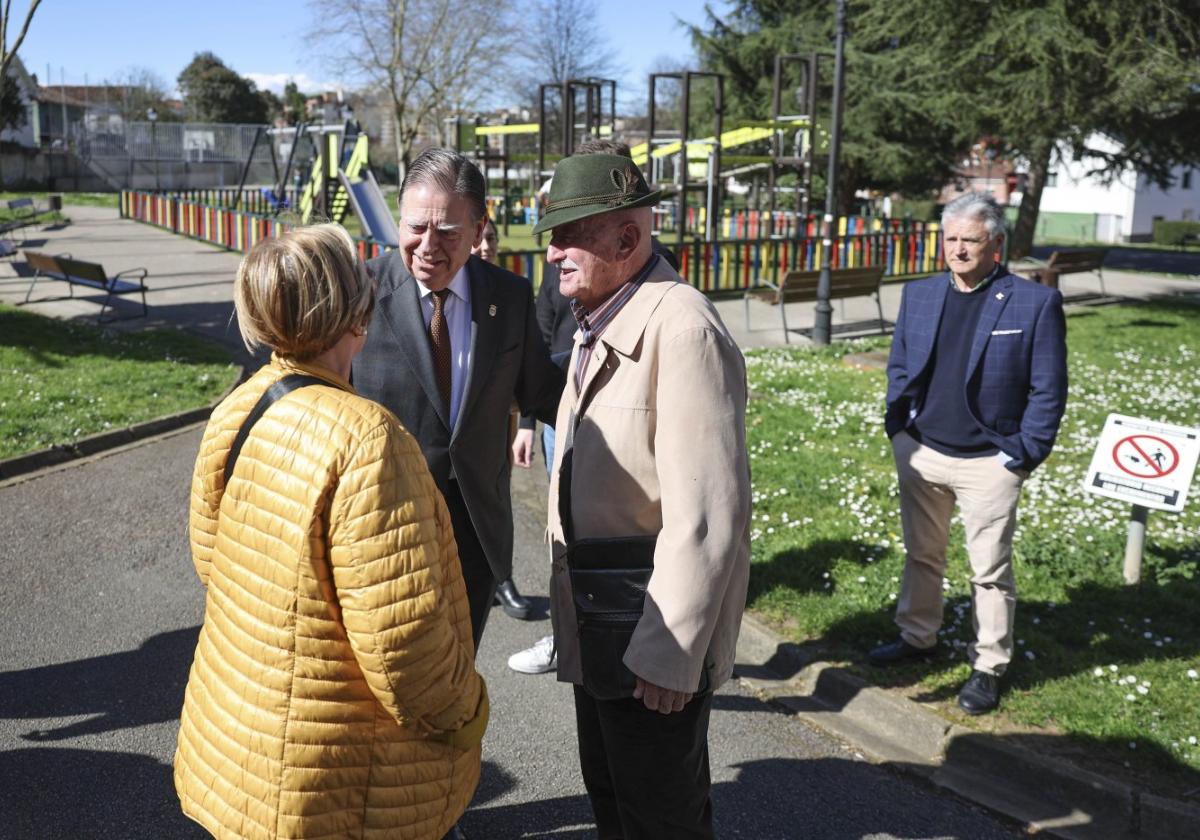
458	319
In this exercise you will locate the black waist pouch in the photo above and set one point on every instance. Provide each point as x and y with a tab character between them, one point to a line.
608	584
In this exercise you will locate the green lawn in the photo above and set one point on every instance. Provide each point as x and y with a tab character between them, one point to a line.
78	199
521	238
1112	666
60	381
92	199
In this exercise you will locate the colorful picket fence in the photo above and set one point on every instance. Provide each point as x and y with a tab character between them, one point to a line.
234	229
903	248
764	224
525	263
253	199
237	230
778	224
734	265
240	230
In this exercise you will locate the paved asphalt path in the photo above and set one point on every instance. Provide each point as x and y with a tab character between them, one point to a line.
99	611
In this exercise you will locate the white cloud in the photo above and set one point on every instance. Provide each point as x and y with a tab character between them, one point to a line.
274	82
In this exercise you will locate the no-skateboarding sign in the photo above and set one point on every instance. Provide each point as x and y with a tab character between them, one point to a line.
1144	462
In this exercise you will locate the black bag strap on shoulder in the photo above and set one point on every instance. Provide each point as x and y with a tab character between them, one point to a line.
276	392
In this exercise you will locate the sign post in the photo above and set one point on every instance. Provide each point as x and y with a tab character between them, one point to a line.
1135	542
1147	463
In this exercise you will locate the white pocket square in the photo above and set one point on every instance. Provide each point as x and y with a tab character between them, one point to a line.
1006	332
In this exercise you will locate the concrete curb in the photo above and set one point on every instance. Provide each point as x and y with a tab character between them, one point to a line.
92	444
1047	794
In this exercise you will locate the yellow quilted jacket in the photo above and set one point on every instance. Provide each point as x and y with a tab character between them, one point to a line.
333	692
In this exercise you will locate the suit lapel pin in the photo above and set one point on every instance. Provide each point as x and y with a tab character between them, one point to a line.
492	310
999	295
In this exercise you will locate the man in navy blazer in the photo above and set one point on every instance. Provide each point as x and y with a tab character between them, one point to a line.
977	384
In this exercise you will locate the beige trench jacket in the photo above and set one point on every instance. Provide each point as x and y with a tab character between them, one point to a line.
660	448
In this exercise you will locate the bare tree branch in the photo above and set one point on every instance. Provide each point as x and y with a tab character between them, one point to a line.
422	55
568	46
6	55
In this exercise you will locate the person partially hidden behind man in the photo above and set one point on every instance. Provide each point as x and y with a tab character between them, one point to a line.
507	595
649	510
977	384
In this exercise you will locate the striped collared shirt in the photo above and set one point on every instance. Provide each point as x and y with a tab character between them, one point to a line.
592	324
997	269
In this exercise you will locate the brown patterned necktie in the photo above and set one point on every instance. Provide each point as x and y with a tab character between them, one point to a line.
439	340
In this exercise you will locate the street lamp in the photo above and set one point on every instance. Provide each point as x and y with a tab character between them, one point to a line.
152	115
823	325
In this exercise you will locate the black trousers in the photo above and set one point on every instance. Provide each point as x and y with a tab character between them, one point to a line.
646	773
477	574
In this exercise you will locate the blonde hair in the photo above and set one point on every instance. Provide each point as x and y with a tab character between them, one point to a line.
300	292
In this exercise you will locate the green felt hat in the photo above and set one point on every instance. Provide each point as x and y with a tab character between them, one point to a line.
588	185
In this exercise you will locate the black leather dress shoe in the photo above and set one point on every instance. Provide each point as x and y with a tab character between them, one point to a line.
455	833
898	651
511	601
980	694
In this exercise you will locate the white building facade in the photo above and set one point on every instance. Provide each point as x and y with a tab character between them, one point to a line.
1124	210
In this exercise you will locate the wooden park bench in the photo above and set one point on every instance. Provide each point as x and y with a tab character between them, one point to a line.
801	286
1066	262
23	214
92	275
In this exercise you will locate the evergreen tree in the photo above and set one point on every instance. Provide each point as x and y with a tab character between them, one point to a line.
893	138
925	79
295	103
272	104
12	106
1047	76
212	92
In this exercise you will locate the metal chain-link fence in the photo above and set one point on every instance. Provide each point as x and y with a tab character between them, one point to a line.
163	156
192	142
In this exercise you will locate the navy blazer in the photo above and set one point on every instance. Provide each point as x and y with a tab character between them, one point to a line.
1016	379
509	361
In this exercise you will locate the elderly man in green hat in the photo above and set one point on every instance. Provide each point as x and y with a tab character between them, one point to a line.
649	506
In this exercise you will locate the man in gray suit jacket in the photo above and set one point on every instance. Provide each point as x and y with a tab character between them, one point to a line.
453	342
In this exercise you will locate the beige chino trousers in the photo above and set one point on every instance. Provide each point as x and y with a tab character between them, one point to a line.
986	492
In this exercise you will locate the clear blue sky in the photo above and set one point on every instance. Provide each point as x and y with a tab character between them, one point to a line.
263	39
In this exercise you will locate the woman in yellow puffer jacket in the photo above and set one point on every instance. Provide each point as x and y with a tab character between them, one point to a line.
333	692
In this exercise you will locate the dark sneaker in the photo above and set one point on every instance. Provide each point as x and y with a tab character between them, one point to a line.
980	694
898	651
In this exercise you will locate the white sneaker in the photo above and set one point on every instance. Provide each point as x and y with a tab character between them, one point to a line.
539	659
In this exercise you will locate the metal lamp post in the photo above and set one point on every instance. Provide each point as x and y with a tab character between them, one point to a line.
823	326
152	115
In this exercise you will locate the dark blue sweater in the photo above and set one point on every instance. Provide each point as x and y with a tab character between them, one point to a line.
944	423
